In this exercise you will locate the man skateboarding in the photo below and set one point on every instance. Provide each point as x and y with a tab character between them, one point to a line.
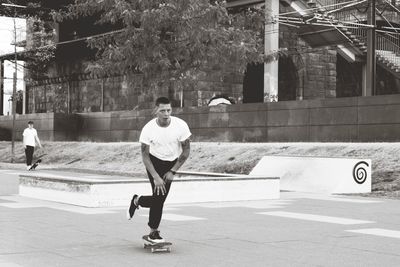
30	138
165	147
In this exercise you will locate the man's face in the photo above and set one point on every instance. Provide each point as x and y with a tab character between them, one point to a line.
164	112
30	126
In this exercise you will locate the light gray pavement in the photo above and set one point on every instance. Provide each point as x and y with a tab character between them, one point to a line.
296	230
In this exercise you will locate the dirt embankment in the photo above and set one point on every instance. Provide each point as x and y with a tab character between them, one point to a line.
125	158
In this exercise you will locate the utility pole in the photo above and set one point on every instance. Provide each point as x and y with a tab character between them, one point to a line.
371	50
14	94
1	87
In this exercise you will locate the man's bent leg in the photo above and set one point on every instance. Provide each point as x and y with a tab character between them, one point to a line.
156	209
147	201
156	202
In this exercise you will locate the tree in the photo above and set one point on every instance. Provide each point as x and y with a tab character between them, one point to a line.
170	40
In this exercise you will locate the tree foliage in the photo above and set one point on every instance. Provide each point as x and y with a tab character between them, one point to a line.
40	48
174	39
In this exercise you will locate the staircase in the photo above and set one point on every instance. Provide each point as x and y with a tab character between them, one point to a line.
351	41
390	59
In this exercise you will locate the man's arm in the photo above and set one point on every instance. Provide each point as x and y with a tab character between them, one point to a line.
158	182
38	141
184	155
24	140
181	160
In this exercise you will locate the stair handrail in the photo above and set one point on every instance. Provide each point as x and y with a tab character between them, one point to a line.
360	33
390	36
345	9
391	41
321	7
340	4
384	45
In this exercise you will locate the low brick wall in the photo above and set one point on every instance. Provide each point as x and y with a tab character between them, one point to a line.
50	126
5	134
354	119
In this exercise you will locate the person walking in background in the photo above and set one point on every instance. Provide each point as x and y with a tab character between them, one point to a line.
165	147
30	138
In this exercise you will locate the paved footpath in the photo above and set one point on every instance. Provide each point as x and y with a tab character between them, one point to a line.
296	230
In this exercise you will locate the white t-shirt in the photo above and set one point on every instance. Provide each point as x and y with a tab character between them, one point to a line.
29	136
165	142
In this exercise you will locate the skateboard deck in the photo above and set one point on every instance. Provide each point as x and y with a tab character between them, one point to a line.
35	165
38	160
156	247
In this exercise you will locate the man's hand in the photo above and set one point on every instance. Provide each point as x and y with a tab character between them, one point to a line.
169	176
159	186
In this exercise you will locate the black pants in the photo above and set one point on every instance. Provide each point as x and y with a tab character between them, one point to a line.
156	202
29	154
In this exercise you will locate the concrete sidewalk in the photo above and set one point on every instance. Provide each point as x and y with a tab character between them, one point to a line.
296	230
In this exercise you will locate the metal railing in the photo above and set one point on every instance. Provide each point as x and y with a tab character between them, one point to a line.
387	44
389	50
349	12
360	33
394	38
344	15
338	9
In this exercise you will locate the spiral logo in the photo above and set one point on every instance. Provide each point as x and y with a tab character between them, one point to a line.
360	173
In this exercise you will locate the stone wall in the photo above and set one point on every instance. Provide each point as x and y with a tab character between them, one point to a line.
309	75
85	93
314	69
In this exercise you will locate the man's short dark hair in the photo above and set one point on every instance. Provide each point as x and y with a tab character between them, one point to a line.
30	122
162	100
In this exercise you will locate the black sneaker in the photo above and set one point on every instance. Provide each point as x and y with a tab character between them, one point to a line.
155	237
132	208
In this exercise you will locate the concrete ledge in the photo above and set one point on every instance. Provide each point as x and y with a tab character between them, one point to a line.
318	174
188	187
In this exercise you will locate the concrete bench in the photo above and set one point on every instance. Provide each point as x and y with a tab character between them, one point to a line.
318	174
106	191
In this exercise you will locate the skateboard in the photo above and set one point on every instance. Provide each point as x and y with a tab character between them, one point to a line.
38	160
33	167
156	247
